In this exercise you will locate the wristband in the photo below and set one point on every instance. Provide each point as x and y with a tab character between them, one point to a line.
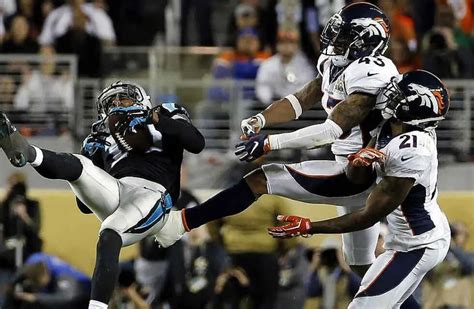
295	103
261	119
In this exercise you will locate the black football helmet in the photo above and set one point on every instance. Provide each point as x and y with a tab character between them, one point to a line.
358	30
417	98
118	90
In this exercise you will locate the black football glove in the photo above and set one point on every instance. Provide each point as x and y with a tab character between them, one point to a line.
96	140
134	116
253	148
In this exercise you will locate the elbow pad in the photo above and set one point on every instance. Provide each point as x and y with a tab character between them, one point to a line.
310	137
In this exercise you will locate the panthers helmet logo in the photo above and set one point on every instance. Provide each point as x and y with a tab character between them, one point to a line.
431	98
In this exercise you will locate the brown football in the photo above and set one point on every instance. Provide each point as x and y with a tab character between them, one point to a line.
138	142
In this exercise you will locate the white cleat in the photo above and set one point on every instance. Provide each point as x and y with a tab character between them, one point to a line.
172	231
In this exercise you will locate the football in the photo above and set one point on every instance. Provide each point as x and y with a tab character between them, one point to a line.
139	141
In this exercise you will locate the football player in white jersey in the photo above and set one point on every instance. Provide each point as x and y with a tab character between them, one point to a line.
405	161
352	72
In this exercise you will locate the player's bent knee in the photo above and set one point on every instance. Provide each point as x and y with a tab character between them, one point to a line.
109	235
109	240
257	182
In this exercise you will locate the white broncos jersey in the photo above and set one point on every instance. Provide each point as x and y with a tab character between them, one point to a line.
418	221
365	75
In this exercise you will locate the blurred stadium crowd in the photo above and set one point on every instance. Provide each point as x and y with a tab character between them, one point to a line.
269	46
436	35
225	265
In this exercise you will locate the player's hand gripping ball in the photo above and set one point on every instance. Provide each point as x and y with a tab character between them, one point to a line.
128	127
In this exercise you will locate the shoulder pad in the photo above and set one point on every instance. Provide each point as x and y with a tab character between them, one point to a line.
408	155
369	75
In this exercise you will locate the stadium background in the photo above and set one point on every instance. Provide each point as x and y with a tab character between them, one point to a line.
178	50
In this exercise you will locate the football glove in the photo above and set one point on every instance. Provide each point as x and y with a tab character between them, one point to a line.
252	126
96	140
253	148
366	156
136	116
296	226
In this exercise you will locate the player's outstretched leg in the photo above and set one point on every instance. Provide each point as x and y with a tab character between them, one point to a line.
106	268
49	164
228	202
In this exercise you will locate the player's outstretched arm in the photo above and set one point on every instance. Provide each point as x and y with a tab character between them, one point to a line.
385	198
346	115
190	137
286	109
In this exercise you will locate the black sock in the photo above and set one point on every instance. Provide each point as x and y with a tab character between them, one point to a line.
57	165
226	203
106	269
410	303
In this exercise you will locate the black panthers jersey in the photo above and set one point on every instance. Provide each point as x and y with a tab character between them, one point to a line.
162	162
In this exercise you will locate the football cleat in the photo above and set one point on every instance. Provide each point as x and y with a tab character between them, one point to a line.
13	144
172	231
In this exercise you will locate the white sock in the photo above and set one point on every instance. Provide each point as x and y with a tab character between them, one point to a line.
94	304
39	157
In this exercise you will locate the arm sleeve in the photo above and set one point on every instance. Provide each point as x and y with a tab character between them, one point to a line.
190	137
309	137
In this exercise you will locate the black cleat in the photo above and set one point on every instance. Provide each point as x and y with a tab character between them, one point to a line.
13	144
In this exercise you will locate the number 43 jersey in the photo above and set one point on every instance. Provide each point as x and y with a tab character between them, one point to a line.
368	75
418	221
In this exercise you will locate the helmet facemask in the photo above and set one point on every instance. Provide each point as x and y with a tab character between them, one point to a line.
394	97
335	40
113	95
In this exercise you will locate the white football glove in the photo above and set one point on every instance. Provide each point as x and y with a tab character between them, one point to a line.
252	126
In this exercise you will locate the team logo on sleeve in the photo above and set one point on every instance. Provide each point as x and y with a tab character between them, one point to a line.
431	98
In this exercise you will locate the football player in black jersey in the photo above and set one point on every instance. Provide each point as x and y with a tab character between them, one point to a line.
130	192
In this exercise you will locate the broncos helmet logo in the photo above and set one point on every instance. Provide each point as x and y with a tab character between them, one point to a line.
431	98
372	27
